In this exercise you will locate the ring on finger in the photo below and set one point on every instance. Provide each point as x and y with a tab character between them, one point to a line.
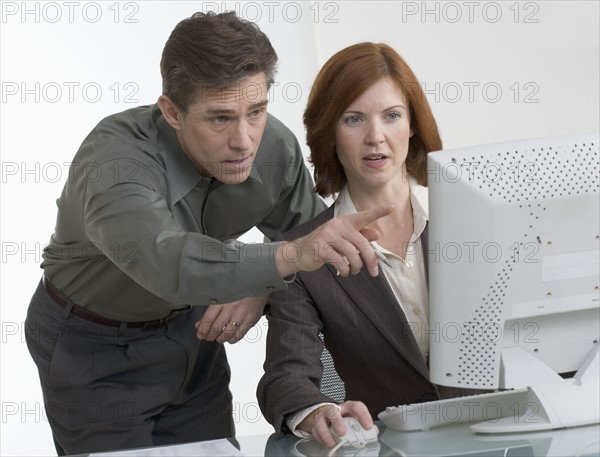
235	324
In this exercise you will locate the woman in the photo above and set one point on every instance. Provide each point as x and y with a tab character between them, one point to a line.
369	129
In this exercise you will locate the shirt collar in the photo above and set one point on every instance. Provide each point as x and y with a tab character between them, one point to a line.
419	199
182	175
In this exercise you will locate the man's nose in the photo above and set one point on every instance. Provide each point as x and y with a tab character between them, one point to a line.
240	137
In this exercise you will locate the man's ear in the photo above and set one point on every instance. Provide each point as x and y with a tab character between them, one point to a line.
170	111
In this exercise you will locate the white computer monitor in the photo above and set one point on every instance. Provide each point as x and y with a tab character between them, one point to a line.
514	270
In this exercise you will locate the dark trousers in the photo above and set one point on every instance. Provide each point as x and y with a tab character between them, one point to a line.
108	388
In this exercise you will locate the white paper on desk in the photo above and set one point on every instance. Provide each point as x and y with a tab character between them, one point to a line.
212	448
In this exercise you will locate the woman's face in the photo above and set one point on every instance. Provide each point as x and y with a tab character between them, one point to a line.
371	136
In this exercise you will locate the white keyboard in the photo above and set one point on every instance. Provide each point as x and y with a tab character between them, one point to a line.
471	408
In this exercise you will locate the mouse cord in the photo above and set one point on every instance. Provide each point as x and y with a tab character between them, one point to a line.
339	445
334	449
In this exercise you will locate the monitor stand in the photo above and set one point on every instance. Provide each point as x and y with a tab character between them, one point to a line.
552	401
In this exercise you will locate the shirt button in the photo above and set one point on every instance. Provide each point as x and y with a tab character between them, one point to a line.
408	264
416	311
213	301
271	287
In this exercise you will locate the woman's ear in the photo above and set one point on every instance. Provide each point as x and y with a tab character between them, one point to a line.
170	111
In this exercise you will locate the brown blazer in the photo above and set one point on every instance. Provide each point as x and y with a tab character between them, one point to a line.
365	331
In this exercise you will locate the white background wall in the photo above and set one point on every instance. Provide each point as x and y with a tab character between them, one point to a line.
493	71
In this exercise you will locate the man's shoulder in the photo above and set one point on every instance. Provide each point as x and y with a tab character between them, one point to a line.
134	122
126	134
277	127
278	141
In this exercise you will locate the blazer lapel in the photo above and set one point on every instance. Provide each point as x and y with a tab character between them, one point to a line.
374	297
425	247
377	302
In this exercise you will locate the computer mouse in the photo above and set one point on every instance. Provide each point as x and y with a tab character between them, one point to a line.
356	435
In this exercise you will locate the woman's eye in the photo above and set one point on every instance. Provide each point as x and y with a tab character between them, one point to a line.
352	120
393	115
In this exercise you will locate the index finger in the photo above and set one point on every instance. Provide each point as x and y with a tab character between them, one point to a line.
363	218
321	429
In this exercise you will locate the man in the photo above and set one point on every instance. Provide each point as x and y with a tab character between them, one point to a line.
146	229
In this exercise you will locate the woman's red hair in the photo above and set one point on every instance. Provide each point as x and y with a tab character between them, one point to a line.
343	78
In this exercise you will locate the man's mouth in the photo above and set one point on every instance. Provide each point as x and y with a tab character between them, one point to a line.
238	161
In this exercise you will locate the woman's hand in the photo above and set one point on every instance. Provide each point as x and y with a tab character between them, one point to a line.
319	421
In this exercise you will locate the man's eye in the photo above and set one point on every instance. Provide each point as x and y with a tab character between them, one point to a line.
220	119
257	113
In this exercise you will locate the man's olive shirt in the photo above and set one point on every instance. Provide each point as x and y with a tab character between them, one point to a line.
140	232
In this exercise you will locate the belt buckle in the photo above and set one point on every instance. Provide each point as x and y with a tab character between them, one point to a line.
153	324
172	315
163	320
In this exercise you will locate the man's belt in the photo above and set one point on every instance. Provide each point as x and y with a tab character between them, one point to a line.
88	315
